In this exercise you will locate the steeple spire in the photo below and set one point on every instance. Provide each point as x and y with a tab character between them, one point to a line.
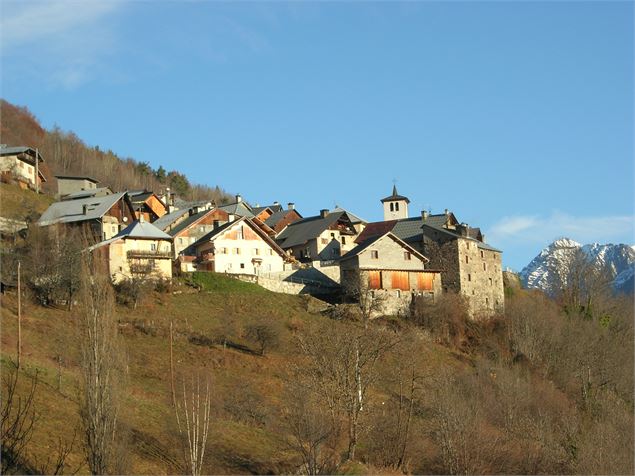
394	190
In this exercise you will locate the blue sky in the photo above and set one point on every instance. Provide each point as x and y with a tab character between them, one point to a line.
517	116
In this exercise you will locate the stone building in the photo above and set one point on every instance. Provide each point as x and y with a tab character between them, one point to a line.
67	184
468	265
21	164
395	206
141	250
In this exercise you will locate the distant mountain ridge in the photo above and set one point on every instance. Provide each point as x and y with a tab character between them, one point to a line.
618	260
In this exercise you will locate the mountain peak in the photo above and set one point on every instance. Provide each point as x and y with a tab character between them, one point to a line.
565	243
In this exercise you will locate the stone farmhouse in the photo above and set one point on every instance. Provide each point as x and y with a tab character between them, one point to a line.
67	184
242	246
468	265
104	216
322	238
140	250
21	164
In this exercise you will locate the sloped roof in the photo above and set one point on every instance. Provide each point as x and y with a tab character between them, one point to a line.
76	177
395	196
354	218
374	239
19	150
143	229
68	211
169	218
274	219
237	208
88	193
182	225
301	231
455	235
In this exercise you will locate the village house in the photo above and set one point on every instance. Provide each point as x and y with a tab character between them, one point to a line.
147	205
102	216
322	238
242	246
21	164
140	250
384	262
68	184
238	208
469	266
277	217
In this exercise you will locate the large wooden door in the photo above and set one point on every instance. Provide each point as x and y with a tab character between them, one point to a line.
399	280
374	279
424	281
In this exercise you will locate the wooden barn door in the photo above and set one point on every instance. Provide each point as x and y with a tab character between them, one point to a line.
424	281
374	279
400	280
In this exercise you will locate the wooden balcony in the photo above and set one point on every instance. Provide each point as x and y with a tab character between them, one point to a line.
149	254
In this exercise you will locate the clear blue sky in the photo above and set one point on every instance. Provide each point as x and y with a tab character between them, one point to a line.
517	116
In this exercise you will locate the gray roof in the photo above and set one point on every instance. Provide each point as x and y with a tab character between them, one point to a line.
182	225
395	196
354	218
169	218
237	208
274	219
301	231
68	211
100	191
143	229
455	234
366	243
19	150
76	177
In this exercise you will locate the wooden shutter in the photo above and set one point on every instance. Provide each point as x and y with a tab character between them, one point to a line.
424	281
399	280
374	279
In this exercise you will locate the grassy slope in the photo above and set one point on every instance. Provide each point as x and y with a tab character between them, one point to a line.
237	446
19	204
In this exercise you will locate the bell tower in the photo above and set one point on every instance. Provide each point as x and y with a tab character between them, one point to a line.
395	206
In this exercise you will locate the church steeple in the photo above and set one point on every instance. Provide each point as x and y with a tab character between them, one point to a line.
395	206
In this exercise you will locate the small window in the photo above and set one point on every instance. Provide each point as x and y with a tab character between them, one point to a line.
392	207
490	281
473	292
237	251
324	241
482	254
469	277
242	265
229	265
153	246
467	259
468	245
396	207
240	234
484	267
257	251
343	240
332	236
374	254
270	252
180	241
407	256
487	301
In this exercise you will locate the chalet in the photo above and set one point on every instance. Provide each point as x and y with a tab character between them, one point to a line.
21	164
103	216
194	225
242	246
140	250
384	262
324	237
469	266
147	205
67	184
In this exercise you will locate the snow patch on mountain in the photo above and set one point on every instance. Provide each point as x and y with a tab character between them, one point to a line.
544	271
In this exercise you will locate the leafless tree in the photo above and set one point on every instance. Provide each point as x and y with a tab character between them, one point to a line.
193	418
101	369
341	369
265	333
17	419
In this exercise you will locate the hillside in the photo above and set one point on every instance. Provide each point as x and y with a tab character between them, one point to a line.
65	153
466	377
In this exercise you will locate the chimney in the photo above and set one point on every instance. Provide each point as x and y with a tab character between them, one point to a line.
447	212
324	212
239	198
84	209
291	206
463	229
424	215
276	203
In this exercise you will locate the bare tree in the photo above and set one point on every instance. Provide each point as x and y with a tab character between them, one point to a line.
101	370
193	417
17	419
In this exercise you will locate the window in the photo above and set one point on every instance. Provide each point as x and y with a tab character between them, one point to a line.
482	254
324	241
240	234
374	254
392	207
396	207
257	251
270	252
490	281
469	277
487	301
242	265
180	241
332	236
237	251
473	292
406	255
484	267
467	259
468	245
229	265
202	228
343	240
153	246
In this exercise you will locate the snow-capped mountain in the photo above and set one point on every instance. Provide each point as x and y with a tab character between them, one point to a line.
544	270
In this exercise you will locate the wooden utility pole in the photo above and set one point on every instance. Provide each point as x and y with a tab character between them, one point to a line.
172	367
19	318
37	171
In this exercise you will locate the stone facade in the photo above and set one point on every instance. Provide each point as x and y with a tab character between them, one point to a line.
68	184
132	257
21	168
